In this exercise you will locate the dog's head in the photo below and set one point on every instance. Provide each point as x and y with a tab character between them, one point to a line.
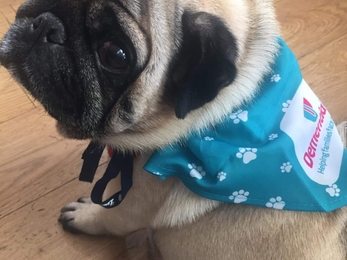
136	74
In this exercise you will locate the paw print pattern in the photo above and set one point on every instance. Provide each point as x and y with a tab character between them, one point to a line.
286	167
239	196
247	154
333	190
239	116
207	138
276	78
196	171
276	203
273	137
286	105
222	176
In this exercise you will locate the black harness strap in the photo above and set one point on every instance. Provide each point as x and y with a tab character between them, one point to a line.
91	158
119	164
122	164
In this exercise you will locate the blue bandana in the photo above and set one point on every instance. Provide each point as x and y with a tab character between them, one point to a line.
281	151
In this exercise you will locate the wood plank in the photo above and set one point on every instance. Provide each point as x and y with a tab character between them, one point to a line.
309	25
13	101
26	134
8	12
29	177
4	23
325	70
15	6
32	232
6	3
34	159
32	176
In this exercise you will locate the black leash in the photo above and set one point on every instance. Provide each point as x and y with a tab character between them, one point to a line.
120	164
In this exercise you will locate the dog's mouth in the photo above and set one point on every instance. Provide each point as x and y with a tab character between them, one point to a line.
76	73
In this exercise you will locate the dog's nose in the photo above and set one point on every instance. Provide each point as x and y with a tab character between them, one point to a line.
50	28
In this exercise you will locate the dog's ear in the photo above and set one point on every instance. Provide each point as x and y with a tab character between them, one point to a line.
205	63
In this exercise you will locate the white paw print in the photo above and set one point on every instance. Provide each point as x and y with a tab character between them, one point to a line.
276	203
247	154
286	105
222	176
276	78
157	173
207	138
273	137
286	167
196	171
333	190
239	116
239	196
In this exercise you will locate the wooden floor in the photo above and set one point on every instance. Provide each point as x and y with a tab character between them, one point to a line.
38	168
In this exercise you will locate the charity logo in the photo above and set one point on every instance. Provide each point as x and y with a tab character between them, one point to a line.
317	144
309	112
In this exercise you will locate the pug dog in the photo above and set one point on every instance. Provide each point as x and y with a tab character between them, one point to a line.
139	76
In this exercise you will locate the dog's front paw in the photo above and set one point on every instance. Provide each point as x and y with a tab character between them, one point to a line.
82	217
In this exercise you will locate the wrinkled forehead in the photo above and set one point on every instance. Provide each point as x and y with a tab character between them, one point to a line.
138	9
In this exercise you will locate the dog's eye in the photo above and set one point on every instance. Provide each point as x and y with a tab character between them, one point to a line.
112	56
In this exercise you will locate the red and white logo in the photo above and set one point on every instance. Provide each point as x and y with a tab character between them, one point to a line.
309	112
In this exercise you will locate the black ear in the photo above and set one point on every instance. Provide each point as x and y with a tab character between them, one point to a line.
205	63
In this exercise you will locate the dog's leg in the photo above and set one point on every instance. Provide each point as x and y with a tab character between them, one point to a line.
136	211
342	128
140	245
